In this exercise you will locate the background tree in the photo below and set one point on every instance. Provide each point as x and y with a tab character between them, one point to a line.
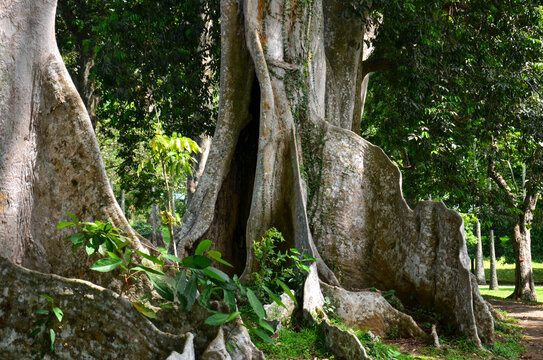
139	54
472	76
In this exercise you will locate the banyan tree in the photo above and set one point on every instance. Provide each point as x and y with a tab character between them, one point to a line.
284	155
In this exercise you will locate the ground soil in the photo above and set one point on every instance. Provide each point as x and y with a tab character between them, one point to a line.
530	318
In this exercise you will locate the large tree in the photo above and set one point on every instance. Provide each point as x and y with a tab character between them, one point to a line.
283	155
50	162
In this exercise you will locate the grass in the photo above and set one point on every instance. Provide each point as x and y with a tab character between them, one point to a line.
506	272
309	344
505	290
305	344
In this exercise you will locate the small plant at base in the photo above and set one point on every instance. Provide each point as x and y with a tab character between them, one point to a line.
46	342
192	275
273	272
171	158
328	308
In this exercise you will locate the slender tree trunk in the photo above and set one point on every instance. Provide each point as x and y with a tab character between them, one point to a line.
123	202
524	277
480	269
493	274
201	159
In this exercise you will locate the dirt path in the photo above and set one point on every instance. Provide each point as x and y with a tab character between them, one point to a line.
531	319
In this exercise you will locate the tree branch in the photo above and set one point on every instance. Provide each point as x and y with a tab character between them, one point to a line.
499	179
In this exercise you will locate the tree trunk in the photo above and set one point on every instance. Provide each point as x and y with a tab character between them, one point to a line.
204	142
284	155
524	277
50	162
480	268
493	275
123	202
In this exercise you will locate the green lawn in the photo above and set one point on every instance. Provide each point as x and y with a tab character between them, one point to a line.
506	272
506	290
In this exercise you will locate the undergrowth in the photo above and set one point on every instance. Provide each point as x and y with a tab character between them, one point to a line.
309	343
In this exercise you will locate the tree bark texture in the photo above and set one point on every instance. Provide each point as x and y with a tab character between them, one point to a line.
284	155
479	267
524	276
50	162
493	274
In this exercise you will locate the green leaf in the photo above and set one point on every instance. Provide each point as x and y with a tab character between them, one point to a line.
144	310
274	297
202	247
127	257
264	325
263	336
172	258
38	323
42	312
48	298
219	318
58	313
77	239
162	250
287	291
89	248
256	304
52	336
113	255
64	224
72	216
191	291
34	333
217	256
216	274
205	295
150	258
147	270
230	299
196	262
161	287
106	265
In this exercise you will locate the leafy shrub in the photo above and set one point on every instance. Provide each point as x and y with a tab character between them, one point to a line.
276	269
191	275
142	228
44	342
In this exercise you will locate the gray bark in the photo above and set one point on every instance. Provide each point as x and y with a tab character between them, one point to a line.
283	155
479	267
493	274
50	161
123	202
201	159
524	277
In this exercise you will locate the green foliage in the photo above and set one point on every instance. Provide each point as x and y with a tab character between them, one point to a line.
276	268
171	158
470	224
175	280
142	228
163	53
307	343
42	332
463	92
